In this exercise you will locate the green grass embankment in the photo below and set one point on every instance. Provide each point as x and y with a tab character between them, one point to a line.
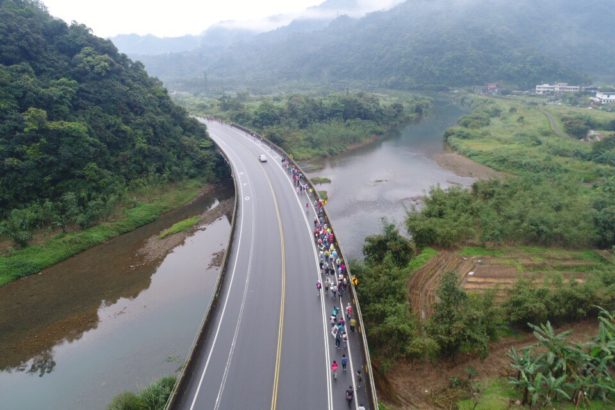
320	180
180	226
148	206
421	259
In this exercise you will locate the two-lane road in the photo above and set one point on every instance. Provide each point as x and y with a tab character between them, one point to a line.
268	344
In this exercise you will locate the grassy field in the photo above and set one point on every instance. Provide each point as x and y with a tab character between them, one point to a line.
560	187
519	139
141	207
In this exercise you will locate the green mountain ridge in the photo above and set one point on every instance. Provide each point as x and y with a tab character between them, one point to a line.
80	122
419	44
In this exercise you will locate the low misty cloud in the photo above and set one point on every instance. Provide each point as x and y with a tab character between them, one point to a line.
359	9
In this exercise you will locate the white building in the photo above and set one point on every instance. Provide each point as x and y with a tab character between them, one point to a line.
557	88
604	98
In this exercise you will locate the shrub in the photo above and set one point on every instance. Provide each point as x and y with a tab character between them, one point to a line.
390	243
153	397
460	322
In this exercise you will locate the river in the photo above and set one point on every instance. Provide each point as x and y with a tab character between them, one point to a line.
109	319
385	179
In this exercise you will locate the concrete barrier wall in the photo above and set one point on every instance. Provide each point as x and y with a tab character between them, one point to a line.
371	386
205	324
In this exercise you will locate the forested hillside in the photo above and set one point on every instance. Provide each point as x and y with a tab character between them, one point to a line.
418	44
80	123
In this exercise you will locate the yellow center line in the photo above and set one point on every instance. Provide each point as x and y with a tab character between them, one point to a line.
278	356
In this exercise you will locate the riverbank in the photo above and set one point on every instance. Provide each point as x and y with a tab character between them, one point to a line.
126	310
139	208
466	167
157	246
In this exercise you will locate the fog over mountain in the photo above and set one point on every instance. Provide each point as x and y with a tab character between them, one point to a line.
224	33
416	44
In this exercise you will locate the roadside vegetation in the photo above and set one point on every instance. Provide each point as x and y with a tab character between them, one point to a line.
320	180
545	233
315	126
139	207
153	397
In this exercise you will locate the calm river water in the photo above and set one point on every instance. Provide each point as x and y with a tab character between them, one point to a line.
108	319
386	178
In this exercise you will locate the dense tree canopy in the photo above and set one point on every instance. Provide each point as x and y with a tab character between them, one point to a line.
79	122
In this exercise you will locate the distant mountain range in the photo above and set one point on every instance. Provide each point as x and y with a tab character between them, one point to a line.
226	33
417	44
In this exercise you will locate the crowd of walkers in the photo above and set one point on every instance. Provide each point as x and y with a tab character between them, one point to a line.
334	280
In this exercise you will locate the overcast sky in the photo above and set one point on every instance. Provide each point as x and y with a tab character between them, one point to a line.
177	17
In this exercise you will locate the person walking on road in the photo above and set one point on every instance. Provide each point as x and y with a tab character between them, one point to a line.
318	287
334	331
359	378
348	311
349	395
353	324
344	362
334	367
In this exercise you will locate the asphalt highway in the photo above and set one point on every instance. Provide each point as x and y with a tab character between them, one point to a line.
268	346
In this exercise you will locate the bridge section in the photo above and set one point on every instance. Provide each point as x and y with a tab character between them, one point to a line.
266	342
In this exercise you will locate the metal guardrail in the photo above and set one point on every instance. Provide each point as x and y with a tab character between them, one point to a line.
372	394
200	336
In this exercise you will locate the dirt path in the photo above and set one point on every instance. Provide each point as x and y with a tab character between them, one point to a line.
555	126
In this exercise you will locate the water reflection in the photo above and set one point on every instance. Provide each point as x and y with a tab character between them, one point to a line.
109	319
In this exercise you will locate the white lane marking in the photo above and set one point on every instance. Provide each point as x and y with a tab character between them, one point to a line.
322	299
243	303
196	394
